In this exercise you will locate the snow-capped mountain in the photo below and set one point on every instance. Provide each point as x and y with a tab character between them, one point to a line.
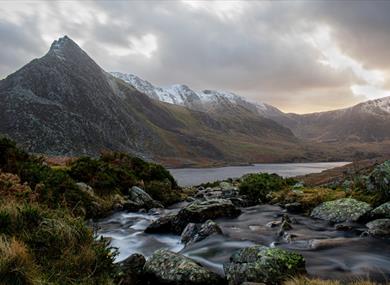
206	100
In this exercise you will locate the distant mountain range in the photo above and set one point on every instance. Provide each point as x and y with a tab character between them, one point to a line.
365	122
65	104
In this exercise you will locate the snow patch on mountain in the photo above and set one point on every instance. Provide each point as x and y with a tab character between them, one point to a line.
180	94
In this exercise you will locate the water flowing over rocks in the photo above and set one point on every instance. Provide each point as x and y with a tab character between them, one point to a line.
166	267
341	210
263	264
196	212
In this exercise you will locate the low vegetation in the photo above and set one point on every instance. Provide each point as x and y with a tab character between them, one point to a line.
258	187
310	281
43	235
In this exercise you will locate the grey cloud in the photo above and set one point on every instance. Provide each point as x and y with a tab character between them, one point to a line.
260	54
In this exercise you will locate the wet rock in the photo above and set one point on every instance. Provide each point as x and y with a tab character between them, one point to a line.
165	224
295	207
284	226
263	264
273	224
383	211
143	199
166	267
189	232
201	211
241	201
196	212
131	270
341	210
196	232
379	228
343	227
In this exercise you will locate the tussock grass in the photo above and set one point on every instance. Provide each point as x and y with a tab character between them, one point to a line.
309	281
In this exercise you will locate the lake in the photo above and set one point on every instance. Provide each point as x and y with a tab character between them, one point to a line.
196	176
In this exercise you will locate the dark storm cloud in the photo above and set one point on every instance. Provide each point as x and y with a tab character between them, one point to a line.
256	49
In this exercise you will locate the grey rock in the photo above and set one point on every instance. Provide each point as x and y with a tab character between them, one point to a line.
379	228
143	199
341	210
263	264
85	187
131	270
166	267
196	212
195	232
383	211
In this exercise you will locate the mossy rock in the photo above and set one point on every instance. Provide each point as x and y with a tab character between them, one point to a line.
383	211
341	210
166	267
263	264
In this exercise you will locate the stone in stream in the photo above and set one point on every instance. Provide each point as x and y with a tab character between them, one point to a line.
130	270
383	211
294	207
197	232
263	264
166	267
341	210
196	212
379	228
143	199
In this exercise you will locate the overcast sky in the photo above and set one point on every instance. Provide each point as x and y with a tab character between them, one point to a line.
298	56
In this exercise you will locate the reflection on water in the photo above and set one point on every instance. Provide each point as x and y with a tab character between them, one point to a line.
196	176
329	253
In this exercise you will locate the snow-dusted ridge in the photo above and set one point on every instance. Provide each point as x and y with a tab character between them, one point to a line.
182	95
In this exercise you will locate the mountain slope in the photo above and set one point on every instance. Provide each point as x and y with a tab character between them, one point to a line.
365	122
206	100
65	104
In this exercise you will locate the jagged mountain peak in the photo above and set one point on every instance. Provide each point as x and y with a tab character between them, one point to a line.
205	100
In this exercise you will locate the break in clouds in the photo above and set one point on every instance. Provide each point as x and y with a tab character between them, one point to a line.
298	56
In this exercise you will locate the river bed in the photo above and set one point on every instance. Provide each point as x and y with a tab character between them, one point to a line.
329	253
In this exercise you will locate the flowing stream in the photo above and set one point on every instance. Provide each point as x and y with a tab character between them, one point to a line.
329	253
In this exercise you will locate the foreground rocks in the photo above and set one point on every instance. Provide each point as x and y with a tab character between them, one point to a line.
196	212
379	228
383	211
131	270
166	267
197	232
341	210
263	264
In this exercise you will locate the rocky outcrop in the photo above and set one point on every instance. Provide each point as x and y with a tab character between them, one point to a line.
196	212
378	182
197	232
143	199
379	228
341	210
263	264
166	267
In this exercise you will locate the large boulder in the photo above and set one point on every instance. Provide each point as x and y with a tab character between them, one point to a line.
143	199
341	210
383	211
166	267
201	211
197	232
263	264
196	212
379	228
